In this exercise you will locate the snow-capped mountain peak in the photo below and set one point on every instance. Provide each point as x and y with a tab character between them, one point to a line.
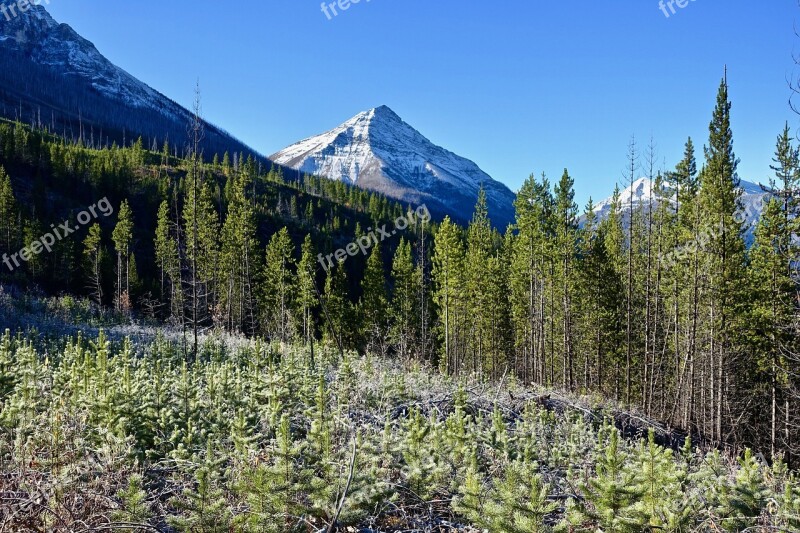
378	151
640	191
643	190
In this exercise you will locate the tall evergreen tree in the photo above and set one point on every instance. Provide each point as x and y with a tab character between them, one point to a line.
93	252
201	249
448	279
307	295
168	262
8	213
405	333
480	248
373	307
238	259
123	238
565	222
723	263
337	310
527	279
279	286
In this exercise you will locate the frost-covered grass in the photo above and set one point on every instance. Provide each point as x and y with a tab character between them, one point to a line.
126	435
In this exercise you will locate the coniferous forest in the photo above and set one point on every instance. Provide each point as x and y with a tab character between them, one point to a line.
635	372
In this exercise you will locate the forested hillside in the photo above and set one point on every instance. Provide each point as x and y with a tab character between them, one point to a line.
671	315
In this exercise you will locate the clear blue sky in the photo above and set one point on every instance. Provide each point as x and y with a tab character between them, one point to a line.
518	86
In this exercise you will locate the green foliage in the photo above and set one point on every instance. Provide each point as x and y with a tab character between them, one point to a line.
373	308
517	503
134	508
279	286
8	213
612	496
203	508
252	438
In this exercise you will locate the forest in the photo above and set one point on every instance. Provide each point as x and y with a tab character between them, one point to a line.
413	384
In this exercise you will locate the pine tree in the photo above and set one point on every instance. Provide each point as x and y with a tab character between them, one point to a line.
201	230
307	295
566	236
31	231
781	231
123	238
611	496
8	213
601	291
239	260
204	507
93	252
337	310
660	482
684	268
448	279
404	331
527	279
723	258
518	502
480	247
168	261
279	286
744	499
134	508
373	308
771	314
271	490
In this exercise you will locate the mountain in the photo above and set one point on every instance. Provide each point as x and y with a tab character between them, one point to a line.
376	150
642	190
53	77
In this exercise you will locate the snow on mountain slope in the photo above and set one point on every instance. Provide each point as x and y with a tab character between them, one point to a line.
377	151
53	76
49	43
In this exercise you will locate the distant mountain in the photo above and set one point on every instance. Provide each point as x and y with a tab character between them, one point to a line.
53	77
642	190
377	151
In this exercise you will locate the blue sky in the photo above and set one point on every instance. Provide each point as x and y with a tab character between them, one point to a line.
518	86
